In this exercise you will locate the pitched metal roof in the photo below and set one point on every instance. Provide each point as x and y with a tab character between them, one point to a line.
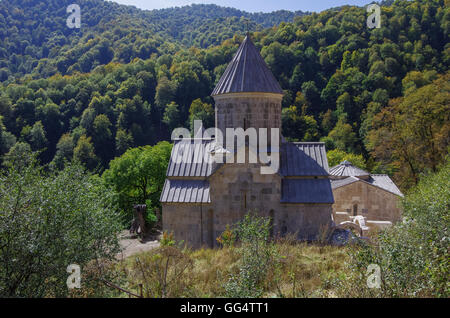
191	158
347	169
306	191
378	180
191	163
247	72
343	182
383	181
304	159
185	191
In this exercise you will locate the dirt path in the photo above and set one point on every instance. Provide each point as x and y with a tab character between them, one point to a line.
131	244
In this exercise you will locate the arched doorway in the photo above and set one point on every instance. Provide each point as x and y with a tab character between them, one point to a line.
355	209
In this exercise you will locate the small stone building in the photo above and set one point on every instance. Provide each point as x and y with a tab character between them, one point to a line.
357	192
201	197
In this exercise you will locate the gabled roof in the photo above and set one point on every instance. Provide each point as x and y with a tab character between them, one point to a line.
247	72
378	180
306	191
191	164
303	159
383	181
347	169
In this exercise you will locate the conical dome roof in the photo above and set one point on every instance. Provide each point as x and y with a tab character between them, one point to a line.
347	169
247	72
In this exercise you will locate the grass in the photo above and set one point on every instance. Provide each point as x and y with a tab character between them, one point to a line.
303	271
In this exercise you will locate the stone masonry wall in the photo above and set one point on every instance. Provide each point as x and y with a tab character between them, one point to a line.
257	110
237	189
188	222
370	201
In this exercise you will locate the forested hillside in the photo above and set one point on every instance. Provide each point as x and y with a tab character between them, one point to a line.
128	77
35	39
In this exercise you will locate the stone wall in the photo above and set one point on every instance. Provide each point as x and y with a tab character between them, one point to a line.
307	221
366	200
191	223
235	190
257	110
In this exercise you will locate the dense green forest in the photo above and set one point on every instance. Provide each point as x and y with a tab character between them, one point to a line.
35	39
128	77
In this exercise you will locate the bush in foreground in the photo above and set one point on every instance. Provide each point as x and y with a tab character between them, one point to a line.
256	253
49	220
413	255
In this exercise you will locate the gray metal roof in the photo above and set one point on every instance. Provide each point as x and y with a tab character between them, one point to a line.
343	182
306	191
196	158
347	169
185	191
383	181
247	72
304	159
378	180
297	159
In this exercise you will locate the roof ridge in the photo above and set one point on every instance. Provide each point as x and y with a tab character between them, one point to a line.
247	72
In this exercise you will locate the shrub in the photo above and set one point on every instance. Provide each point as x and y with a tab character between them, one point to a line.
227	238
48	221
162	272
413	255
256	257
167	239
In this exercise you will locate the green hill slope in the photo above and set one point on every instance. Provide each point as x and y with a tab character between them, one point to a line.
36	40
127	81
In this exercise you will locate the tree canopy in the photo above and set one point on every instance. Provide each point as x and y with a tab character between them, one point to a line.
49	220
128	77
137	177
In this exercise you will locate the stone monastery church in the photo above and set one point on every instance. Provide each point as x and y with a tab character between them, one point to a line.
201	197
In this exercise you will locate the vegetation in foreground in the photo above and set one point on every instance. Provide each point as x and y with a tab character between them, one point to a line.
288	269
49	219
412	255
